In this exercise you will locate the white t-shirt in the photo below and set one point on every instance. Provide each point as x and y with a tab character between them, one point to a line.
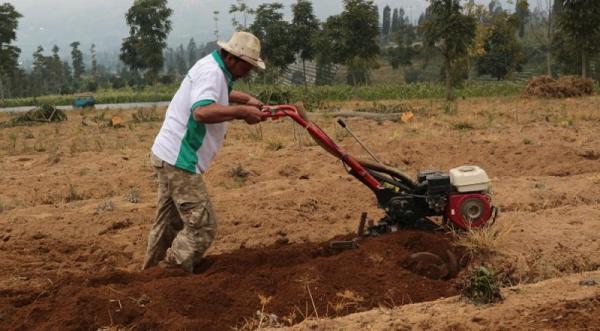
182	141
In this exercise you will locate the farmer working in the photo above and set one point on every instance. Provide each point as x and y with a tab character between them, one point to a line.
192	133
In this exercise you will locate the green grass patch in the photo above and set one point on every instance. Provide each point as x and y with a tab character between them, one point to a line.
313	97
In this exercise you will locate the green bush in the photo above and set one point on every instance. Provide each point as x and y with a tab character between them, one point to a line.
482	286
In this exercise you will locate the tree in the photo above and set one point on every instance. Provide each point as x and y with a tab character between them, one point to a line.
242	8
387	22
342	45
170	65
503	53
305	27
522	13
495	8
192	51
56	71
483	18
404	38
94	61
452	32
275	35
566	60
395	21
40	72
67	75
9	54
77	61
580	21
216	20
149	26
329	45
180	63
544	19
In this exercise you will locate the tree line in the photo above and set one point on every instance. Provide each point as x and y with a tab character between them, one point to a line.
458	39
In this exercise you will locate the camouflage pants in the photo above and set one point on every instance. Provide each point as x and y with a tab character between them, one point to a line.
185	223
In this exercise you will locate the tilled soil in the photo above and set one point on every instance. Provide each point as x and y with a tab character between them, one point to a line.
77	200
294	281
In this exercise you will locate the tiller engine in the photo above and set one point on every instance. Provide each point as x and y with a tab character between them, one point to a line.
460	198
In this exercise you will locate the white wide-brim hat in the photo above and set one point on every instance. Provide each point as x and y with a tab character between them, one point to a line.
246	46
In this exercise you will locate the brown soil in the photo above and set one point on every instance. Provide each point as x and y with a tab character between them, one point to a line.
77	202
555	304
227	288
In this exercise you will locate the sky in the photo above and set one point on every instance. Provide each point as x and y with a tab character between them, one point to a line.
60	22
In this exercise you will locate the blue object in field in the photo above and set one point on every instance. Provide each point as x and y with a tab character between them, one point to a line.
84	101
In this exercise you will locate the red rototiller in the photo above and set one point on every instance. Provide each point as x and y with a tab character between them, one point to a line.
460	198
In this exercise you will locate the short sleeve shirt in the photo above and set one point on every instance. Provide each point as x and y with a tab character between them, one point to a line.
182	141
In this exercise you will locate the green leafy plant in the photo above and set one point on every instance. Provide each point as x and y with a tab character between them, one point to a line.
482	286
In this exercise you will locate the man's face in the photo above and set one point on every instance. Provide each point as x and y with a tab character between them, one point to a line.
238	67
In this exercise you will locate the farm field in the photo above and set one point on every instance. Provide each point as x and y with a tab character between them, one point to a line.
78	199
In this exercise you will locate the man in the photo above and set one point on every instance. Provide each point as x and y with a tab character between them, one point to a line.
192	133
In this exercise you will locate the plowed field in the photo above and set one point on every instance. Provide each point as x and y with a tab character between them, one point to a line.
77	200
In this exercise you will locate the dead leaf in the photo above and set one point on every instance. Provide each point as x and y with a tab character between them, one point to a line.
407	117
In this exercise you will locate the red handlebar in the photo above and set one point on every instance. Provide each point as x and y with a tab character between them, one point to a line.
278	111
275	112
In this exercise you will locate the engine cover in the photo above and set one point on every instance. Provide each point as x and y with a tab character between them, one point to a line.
468	210
469	179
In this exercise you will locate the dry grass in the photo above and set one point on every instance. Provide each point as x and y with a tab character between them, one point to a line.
275	145
146	115
105	206
346	301
484	241
263	319
133	195
73	194
376	259
564	87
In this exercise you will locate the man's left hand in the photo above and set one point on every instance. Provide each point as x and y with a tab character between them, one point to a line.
252	101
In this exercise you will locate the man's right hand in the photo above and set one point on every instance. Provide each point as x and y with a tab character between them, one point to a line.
252	115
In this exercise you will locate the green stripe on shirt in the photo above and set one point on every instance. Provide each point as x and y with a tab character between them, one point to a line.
221	64
192	140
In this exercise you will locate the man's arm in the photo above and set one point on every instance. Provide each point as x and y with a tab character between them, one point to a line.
215	113
244	99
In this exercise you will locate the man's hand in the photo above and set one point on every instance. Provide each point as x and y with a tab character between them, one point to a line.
252	115
252	101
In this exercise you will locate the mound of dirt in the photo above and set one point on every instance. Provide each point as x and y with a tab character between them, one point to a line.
44	113
287	283
564	87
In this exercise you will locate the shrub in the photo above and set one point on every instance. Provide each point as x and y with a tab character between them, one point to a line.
482	286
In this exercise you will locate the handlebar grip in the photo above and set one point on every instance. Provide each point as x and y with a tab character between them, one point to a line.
341	123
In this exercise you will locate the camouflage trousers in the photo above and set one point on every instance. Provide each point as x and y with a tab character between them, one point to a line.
185	224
